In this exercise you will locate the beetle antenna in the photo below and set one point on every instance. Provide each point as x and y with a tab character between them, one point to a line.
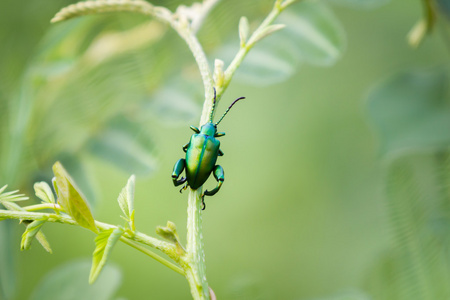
213	106
228	109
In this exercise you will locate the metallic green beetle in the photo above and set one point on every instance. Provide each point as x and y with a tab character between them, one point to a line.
201	156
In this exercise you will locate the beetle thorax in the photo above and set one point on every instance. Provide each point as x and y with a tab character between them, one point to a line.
208	129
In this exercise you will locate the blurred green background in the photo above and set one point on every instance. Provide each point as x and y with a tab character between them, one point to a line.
303	212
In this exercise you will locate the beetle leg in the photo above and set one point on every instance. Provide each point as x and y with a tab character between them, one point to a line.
177	170
183	188
185	147
203	202
220	177
220	153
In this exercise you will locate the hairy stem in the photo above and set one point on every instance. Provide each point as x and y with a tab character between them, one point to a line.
202	62
152	255
195	255
35	207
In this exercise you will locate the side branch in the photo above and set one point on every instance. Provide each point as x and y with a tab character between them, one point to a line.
104	6
265	28
129	238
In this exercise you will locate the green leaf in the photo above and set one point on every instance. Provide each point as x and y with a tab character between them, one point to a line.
311	33
126	145
416	267
104	242
44	192
81	176
273	60
11	196
316	32
112	79
55	186
169	232
69	282
39	236
126	199
42	239
29	234
71	198
410	111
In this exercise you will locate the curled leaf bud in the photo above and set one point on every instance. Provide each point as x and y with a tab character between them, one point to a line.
244	30
218	73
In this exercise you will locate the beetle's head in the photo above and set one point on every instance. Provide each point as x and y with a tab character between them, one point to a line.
209	129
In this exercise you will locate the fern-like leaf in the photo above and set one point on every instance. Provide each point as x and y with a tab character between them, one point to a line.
11	196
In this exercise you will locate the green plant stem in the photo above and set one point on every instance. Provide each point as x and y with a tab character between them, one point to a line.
196	273
152	255
200	57
25	215
53	206
167	248
195	255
